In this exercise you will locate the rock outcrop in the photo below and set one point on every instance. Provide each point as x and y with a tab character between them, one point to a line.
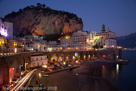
42	20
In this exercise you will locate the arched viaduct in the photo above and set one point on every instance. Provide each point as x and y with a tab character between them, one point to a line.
12	66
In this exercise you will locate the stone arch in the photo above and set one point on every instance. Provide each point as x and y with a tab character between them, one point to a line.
68	57
111	54
27	62
49	57
16	67
4	73
54	57
82	55
22	64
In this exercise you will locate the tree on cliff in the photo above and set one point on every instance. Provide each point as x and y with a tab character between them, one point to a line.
38	4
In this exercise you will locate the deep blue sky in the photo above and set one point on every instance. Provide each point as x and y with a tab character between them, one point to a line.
118	15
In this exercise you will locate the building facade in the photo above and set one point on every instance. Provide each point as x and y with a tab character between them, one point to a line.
38	60
9	30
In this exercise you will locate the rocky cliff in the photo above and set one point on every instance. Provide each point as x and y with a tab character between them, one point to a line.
42	20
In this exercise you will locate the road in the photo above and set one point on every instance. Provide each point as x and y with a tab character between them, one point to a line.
23	81
77	80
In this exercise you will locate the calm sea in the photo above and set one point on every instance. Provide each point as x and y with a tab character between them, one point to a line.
122	76
127	76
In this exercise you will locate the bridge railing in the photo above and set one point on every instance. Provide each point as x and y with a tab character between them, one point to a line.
12	53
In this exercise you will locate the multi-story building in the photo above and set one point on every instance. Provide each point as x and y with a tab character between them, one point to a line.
33	43
3	29
15	46
66	42
3	44
79	40
38	60
52	43
9	30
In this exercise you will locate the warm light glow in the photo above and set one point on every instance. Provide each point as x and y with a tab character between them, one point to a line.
119	47
10	74
15	44
59	39
15	50
76	61
84	56
92	41
52	59
73	57
44	66
112	46
87	40
103	56
38	46
64	63
89	56
67	37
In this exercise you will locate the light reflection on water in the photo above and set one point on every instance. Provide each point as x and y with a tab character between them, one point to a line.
111	72
117	69
122	76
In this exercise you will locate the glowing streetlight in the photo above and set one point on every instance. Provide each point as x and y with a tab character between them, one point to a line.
64	63
76	61
44	66
40	75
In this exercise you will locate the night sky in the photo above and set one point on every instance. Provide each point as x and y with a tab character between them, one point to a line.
118	15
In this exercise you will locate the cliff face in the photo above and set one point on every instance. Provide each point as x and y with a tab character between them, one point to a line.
41	20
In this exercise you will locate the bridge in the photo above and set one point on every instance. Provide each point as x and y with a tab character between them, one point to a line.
12	65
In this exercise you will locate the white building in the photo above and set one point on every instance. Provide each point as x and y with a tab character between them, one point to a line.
65	42
9	30
38	60
36	46
3	29
91	34
52	43
110	43
79	40
33	43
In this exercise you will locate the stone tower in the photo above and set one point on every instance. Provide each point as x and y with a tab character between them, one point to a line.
103	28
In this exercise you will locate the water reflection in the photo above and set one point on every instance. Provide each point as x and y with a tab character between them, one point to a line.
117	69
111	72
